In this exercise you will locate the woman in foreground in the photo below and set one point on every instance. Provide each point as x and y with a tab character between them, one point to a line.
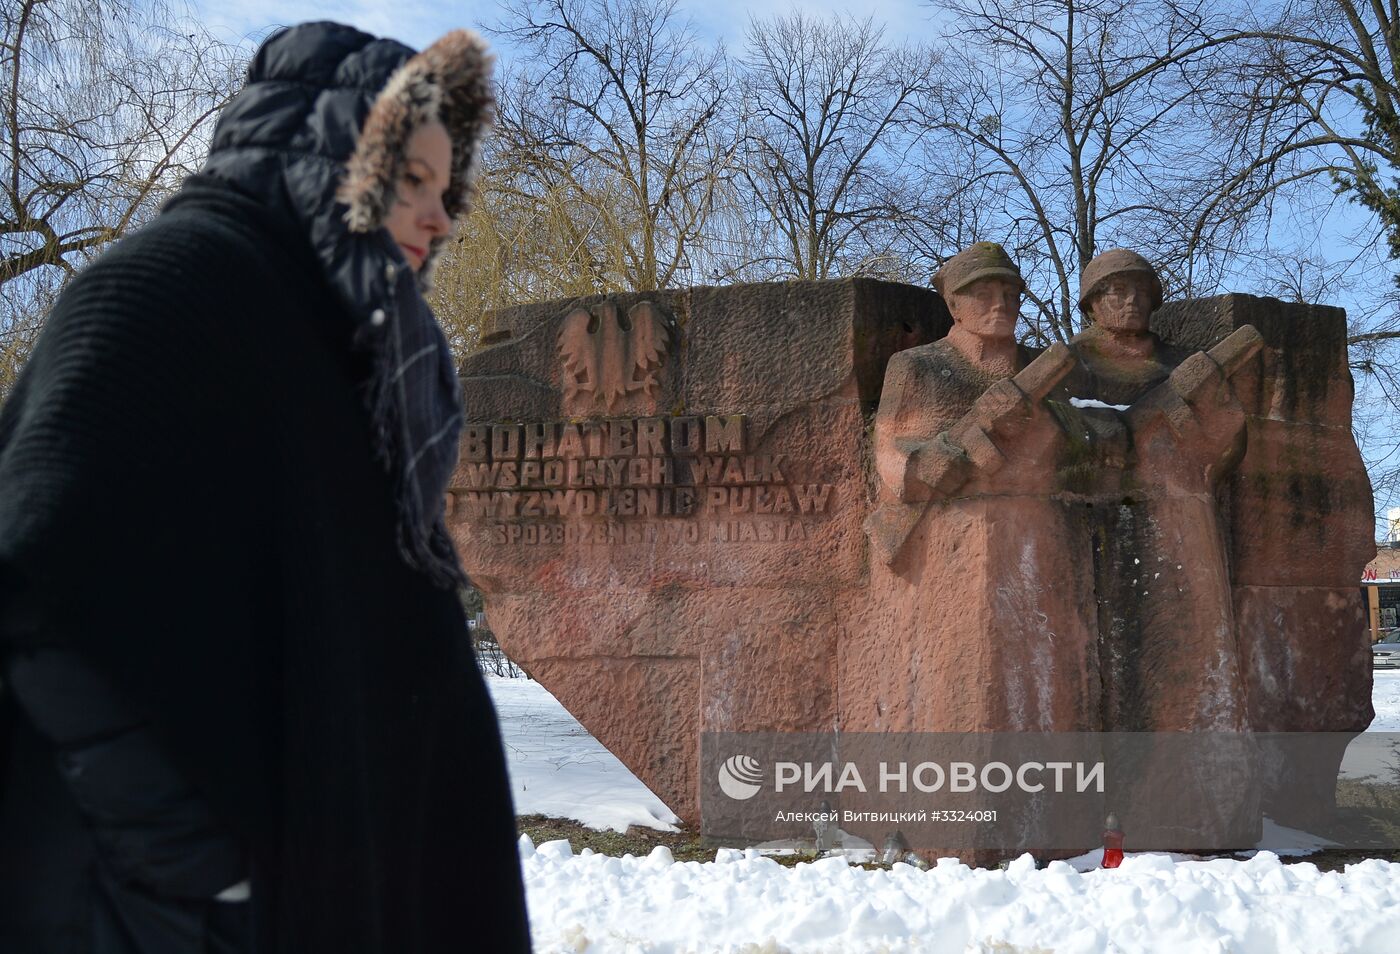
240	711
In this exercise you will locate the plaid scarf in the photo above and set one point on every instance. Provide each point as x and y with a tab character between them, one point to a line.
412	395
415	405
315	94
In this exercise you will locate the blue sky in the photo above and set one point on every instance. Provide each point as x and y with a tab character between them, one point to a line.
418	23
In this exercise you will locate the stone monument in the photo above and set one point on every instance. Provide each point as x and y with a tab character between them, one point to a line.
819	507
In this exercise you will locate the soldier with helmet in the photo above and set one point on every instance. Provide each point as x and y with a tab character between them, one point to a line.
1120	358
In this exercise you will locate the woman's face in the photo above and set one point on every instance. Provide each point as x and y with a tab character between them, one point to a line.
417	215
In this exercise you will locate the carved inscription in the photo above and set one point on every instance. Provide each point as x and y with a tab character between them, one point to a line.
630	481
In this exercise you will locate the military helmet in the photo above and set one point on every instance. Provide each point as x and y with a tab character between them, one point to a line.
1118	261
977	261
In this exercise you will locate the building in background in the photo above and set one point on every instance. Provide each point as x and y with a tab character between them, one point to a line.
1380	581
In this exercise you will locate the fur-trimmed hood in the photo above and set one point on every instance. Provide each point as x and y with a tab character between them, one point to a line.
320	127
317	136
449	81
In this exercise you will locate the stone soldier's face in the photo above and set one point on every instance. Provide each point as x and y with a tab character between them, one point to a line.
988	307
1123	304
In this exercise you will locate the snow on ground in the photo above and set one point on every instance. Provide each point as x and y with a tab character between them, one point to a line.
744	903
1385	696
1287	842
557	768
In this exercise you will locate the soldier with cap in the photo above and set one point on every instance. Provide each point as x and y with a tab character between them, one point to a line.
930	387
983	289
964	539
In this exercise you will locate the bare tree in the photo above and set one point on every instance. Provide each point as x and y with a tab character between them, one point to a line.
1083	124
1319	76
829	110
523	242
615	109
1315	93
103	109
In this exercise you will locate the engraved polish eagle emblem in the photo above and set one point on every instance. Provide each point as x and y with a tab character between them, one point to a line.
608	355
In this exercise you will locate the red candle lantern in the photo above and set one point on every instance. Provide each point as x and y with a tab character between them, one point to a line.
1112	843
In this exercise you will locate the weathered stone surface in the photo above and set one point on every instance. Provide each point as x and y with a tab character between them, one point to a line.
1166	624
656	733
1300	505
727	429
684	521
986	625
1304	376
1307	661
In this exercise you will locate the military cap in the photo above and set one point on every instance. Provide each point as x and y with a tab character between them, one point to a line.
977	261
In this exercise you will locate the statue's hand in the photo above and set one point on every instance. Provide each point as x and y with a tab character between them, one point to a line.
986	438
1193	418
1045	373
1199	387
937	468
1237	349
